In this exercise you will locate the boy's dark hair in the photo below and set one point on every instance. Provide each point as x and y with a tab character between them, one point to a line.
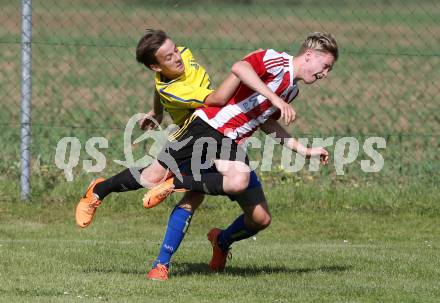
148	45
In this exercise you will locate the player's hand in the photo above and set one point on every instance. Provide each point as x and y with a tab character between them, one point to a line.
318	151
288	114
148	122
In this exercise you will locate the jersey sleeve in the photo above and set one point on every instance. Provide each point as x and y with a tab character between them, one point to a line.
183	95
256	60
266	62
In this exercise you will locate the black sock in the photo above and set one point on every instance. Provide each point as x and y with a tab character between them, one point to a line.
124	181
211	184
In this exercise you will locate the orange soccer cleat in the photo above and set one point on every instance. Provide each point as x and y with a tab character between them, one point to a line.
158	273
219	257
159	193
86	208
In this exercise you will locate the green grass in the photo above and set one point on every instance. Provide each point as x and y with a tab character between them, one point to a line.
325	245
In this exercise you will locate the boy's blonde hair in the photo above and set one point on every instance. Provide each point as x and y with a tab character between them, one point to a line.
321	42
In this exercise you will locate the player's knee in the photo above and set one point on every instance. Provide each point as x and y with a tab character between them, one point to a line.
188	206
191	201
152	175
239	182
264	222
261	221
149	181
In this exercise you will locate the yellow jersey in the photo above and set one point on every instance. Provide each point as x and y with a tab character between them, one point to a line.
182	95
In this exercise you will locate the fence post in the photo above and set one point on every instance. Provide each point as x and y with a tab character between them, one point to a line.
26	95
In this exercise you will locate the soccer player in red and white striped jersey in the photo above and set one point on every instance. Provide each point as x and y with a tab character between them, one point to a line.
268	85
247	110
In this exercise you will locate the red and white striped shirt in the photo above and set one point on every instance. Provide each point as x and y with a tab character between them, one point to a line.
247	109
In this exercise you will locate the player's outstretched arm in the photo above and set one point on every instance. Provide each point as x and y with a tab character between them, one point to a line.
224	92
274	129
246	73
227	89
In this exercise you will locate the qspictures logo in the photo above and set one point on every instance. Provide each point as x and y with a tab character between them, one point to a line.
346	151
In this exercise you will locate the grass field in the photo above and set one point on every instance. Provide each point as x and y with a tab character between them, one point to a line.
353	238
324	245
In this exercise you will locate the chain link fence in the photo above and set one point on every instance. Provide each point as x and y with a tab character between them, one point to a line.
86	82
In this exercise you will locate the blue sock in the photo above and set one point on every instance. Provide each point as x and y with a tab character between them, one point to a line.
178	224
235	232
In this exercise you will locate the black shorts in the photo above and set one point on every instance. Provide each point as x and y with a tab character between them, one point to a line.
201	144
253	194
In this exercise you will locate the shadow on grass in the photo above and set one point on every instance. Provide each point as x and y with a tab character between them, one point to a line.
185	269
126	271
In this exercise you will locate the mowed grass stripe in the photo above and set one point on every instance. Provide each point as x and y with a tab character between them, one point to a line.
305	256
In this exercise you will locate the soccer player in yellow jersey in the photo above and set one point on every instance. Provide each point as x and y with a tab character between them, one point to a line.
181	95
181	85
